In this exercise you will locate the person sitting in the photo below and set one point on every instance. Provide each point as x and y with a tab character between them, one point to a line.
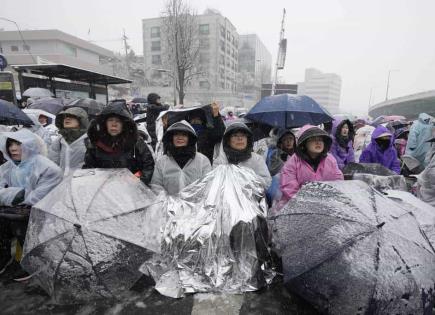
68	150
25	178
114	143
381	150
420	133
208	136
278	154
181	164
311	162
342	142
237	144
426	180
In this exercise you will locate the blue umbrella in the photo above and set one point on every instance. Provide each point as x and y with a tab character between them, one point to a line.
288	111
12	115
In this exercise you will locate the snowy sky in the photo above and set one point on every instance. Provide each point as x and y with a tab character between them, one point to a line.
361	40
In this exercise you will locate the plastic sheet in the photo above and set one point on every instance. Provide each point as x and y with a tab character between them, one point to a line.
216	237
348	249
86	239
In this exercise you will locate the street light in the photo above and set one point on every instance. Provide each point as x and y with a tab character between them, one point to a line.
388	82
171	74
22	38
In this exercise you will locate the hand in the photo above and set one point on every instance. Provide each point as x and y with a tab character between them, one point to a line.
215	109
19	198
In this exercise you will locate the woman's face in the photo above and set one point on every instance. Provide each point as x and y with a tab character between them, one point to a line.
238	141
114	126
180	139
345	130
315	145
15	151
287	142
71	122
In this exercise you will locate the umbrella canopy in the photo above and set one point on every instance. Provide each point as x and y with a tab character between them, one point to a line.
48	104
91	106
12	115
85	240
350	250
37	92
288	111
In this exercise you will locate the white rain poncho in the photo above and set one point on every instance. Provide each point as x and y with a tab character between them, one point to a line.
167	172
48	133
36	174
68	156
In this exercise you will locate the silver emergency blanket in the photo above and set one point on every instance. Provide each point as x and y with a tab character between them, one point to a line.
86	240
382	183
348	249
216	237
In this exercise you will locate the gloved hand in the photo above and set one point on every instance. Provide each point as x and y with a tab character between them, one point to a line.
19	198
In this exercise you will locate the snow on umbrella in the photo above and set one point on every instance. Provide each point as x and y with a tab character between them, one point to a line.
48	104
288	111
12	115
86	239
349	250
36	92
91	106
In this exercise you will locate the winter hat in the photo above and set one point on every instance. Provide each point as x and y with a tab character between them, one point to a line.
152	98
310	131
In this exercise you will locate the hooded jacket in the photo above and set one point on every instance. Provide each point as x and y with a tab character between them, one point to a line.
274	158
35	174
70	156
153	111
124	151
255	162
297	171
419	134
343	155
426	179
168	174
373	153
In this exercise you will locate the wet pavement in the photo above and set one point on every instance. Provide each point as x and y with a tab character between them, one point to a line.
28	298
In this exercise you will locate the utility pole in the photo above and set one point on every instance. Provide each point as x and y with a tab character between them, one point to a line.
277	66
388	82
124	38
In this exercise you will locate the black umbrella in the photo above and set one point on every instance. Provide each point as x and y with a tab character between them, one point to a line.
86	239
12	115
91	106
141	100
49	104
367	168
350	250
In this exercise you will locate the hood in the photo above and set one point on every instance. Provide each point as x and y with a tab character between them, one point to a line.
380	131
424	118
97	128
180	126
309	131
152	98
238	126
283	132
31	144
77	112
337	124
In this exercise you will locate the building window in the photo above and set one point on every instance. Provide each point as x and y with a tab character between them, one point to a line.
204	43
222	31
26	47
70	51
222	60
155	46
204	84
156	59
222	44
155	31
222	84
228	35
14	48
204	29
204	58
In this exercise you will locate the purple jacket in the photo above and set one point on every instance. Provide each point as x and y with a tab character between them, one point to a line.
373	154
342	155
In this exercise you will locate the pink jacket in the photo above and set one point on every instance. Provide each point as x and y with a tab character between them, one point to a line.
297	172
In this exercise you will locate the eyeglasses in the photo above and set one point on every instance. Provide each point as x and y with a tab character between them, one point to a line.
239	135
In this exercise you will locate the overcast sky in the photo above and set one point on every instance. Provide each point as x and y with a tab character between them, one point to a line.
360	40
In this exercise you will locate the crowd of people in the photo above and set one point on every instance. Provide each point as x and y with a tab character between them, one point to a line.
32	164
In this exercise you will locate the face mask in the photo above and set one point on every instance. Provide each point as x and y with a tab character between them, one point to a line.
383	144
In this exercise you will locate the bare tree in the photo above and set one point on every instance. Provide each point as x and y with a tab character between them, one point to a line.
181	30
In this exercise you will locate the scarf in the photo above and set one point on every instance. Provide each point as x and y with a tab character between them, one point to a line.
237	156
343	141
71	135
182	155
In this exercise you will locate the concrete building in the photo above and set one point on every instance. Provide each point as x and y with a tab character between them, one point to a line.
255	64
325	88
53	46
218	61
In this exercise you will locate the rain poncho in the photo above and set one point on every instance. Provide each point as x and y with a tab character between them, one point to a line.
70	156
297	171
35	174
374	154
426	180
343	155
47	133
276	157
255	162
420	132
362	139
169	175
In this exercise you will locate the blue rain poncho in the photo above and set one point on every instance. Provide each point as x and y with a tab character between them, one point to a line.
35	174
